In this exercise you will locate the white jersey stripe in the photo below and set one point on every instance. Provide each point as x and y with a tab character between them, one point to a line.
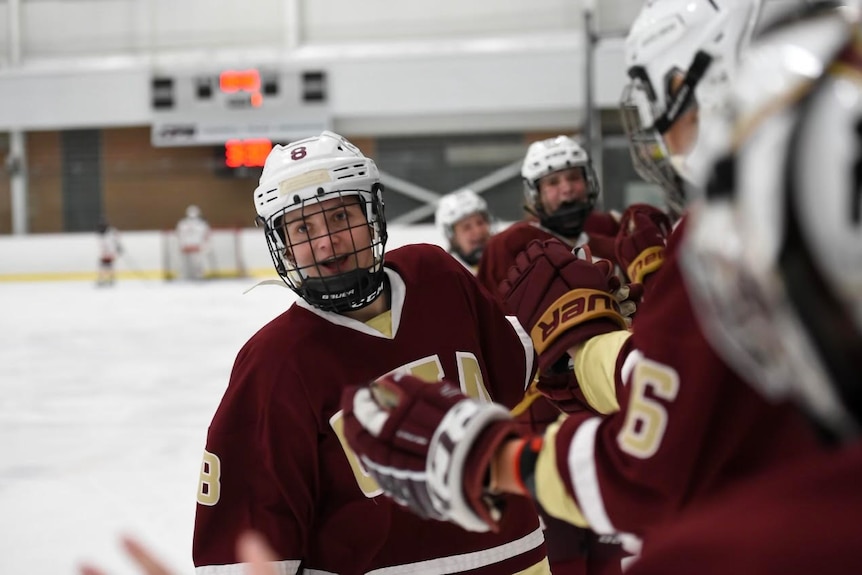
582	468
631	360
281	568
466	561
439	566
528	349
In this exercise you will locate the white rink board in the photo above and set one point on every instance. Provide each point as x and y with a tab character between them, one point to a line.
75	256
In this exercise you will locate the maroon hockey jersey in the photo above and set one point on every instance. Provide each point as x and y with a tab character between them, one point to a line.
275	460
500	251
802	518
688	426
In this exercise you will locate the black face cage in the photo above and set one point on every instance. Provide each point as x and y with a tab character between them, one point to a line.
342	292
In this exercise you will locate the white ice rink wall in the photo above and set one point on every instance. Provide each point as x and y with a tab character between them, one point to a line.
41	257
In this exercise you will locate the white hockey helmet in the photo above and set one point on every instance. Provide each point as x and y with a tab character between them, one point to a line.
773	256
308	172
553	155
193	212
697	42
454	207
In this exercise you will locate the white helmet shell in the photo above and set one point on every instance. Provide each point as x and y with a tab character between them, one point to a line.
667	35
311	168
193	212
701	42
552	155
772	258
456	206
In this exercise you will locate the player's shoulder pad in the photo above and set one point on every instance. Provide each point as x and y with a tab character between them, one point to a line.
419	260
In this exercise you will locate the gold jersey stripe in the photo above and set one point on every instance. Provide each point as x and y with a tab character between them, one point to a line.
595	366
540	568
550	491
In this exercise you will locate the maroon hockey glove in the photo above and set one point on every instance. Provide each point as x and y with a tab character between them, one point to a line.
428	446
560	387
560	299
639	245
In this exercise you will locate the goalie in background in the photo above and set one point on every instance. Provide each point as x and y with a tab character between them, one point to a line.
193	234
109	249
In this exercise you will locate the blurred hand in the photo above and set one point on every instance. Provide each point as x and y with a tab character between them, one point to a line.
252	549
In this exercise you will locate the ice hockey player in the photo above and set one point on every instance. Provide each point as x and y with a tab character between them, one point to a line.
464	220
110	248
193	235
276	459
560	191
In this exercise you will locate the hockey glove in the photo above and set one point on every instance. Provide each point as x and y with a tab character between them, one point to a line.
640	243
561	299
428	446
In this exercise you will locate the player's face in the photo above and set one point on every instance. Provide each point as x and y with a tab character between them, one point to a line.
471	233
329	238
681	136
560	187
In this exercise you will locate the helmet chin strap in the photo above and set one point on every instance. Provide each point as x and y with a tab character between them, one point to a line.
343	292
568	220
472	258
684	96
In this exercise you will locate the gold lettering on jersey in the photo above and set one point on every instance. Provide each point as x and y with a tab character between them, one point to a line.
570	309
470	376
209	486
428	369
646	417
366	483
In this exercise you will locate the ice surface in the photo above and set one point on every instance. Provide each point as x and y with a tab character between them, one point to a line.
105	398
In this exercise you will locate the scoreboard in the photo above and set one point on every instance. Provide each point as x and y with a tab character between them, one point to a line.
238	107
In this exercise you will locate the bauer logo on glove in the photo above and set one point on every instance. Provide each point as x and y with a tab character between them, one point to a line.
571	309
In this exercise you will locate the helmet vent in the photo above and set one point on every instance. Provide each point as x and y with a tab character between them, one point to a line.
267	196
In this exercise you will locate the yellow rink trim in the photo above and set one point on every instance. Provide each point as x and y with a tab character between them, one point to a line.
121	275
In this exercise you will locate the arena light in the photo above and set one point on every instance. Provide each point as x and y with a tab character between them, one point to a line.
246	153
